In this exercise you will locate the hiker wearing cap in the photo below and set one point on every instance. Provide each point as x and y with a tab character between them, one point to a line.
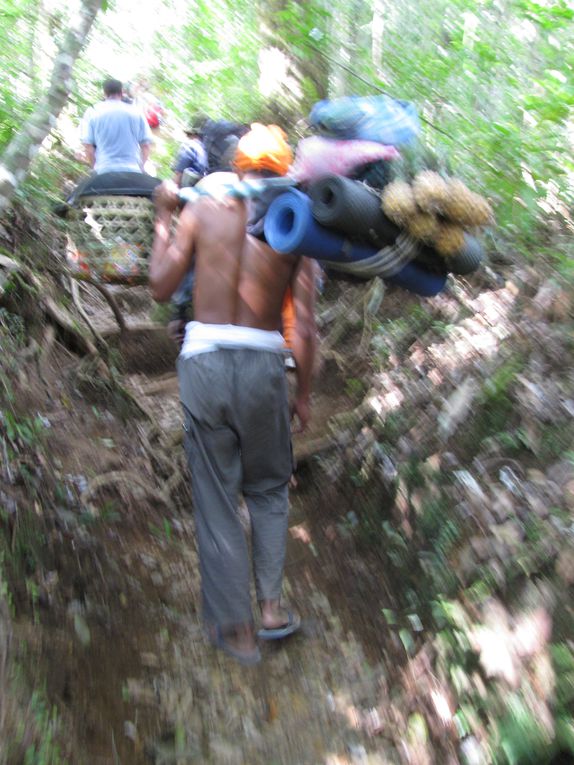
234	392
191	157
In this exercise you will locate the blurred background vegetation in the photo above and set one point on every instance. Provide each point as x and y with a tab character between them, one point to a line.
493	80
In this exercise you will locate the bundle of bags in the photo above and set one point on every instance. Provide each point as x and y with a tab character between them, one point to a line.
352	215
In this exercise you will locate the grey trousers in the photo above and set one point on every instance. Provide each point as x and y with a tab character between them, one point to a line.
238	442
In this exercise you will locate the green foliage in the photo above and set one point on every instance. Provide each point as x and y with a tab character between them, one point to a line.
355	388
523	739
21	431
494	415
45	751
502	106
498	384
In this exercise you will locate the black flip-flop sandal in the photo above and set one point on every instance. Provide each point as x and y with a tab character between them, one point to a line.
278	633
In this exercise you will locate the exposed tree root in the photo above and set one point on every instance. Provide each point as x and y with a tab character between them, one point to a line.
352	419
48	339
339	359
72	336
5	640
173	483
75	290
121	479
113	303
24	294
349	318
371	303
315	448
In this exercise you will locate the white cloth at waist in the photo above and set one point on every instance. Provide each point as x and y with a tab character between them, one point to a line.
203	338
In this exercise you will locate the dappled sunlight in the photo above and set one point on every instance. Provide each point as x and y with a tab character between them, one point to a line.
273	68
478	337
301	533
473	340
430	542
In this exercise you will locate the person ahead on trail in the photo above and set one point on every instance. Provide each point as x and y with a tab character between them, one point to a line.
234	393
211	149
115	134
220	139
191	157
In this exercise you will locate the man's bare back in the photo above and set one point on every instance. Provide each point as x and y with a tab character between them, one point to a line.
238	279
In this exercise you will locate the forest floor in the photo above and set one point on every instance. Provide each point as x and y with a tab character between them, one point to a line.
430	548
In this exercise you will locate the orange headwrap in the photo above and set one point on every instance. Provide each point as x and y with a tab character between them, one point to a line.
263	148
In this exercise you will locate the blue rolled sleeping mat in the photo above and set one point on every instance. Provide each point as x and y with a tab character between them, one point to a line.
291	228
351	208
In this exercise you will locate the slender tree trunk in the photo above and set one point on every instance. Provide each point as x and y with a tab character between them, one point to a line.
377	30
18	155
343	33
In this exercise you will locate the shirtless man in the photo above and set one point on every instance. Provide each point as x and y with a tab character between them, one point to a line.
234	394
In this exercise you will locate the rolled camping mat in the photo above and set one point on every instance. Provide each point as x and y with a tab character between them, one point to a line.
350	207
385	262
291	228
463	263
416	279
468	259
394	264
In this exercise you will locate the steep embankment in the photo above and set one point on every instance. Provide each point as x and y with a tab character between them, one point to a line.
430	547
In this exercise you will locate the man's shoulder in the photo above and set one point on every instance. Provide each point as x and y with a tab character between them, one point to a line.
114	106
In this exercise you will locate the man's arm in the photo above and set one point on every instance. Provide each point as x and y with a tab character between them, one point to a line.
144	150
145	139
88	138
170	261
187	159
90	154
305	337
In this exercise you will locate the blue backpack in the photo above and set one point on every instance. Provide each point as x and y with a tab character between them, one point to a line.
369	118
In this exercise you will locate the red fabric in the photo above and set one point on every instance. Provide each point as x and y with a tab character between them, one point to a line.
152	116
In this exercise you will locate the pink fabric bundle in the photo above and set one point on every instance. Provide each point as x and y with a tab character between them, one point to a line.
317	156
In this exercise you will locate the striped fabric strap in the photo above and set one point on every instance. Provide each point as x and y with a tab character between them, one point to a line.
240	190
386	262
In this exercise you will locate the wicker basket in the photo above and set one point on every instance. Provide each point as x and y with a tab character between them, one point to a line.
110	239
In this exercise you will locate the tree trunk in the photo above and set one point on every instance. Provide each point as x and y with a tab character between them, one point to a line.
16	159
344	34
377	30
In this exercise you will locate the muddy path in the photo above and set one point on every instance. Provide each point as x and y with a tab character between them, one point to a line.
410	554
122	645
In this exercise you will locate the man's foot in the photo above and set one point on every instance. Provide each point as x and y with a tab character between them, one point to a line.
239	644
277	622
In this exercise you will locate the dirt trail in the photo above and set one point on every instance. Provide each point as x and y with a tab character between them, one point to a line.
144	686
368	678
